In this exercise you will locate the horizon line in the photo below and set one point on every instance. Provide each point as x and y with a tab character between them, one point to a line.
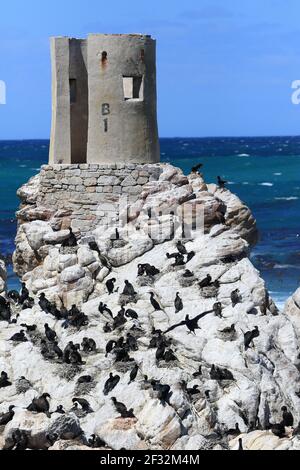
265	136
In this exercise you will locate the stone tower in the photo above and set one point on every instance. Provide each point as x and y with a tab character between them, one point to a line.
104	100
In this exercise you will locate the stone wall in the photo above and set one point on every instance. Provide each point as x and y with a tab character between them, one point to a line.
90	194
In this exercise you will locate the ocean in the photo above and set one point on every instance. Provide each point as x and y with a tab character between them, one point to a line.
263	172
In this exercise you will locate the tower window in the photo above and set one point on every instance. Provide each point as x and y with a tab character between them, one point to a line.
133	88
73	90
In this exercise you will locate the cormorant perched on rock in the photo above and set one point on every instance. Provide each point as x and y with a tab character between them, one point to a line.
60	410
5	418
120	319
163	392
129	289
178	303
196	168
170	356
19	440
75	358
133	374
234	432
190	256
44	303
4	382
217	308
228	330
190	391
187	274
57	350
111	383
70	241
235	297
131	342
29	328
104	308
158	339
28	304
14	295
287	417
104	261
95	442
221	182
217	373
171	256
122	410
40	405
199	373
50	334
19	337
249	337
110	347
88	345
24	295
84	404
160	353
117	234
107	328
5	310
179	260
121	354
85	379
190	323
131	314
71	354
206	282
154	303
147	269
181	248
110	285
278	430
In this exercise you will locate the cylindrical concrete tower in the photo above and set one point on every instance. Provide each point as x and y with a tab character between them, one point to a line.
122	99
104	100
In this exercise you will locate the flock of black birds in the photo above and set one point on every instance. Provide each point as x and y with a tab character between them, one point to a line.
122	347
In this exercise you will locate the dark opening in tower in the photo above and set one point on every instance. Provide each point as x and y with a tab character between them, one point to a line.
133	88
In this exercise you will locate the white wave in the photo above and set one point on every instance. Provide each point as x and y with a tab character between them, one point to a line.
22	166
245	183
243	155
266	184
291	198
277	174
286	266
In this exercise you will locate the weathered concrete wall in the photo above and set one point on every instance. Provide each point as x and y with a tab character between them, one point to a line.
90	195
60	142
104	100
122	130
78	100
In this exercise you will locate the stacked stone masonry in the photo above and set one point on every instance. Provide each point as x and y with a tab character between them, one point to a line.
90	194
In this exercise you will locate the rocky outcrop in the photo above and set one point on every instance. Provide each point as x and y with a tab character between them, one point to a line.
3	277
260	377
266	440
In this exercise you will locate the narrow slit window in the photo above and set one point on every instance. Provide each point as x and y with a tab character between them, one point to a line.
133	88
73	90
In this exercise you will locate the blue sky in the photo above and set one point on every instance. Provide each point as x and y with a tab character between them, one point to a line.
225	67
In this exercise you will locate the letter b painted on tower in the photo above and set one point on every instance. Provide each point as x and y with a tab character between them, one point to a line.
105	109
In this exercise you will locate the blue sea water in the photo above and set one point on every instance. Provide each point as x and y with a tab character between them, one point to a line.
263	172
